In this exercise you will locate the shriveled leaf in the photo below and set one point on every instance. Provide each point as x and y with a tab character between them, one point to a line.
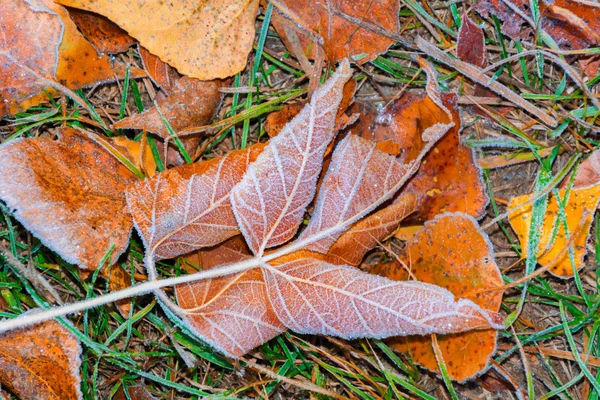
578	212
104	35
269	203
233	312
343	25
41	46
204	40
364	235
470	46
359	178
41	362
187	207
312	296
183	103
138	392
448	179
70	193
451	251
573	24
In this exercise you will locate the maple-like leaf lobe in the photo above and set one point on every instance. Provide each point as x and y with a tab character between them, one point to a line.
187	207
270	201
69	194
41	362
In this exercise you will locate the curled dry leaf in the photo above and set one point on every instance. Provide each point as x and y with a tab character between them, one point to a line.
187	207
269	203
54	52
448	179
69	193
345	26
451	251
104	35
41	362
183	103
573	24
204	40
578	213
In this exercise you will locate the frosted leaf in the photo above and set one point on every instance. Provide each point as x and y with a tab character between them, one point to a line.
269	203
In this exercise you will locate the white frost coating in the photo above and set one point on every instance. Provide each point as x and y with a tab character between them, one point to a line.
269	203
314	297
360	177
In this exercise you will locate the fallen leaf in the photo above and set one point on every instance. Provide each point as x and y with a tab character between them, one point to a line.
346	27
588	172
448	179
170	223
287	170
117	280
470	46
554	238
69	193
185	102
137	392
573	24
41	362
104	35
204	40
278	119
139	153
53	53
451	251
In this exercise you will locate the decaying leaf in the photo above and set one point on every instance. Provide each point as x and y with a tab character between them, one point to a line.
204	40
41	362
573	24
187	207
269	203
343	26
448	175
470	46
451	251
588	173
69	193
104	35
54	52
183	103
554	237
138	392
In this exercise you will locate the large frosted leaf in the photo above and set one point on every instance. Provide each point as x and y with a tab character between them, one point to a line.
314	297
360	177
186	208
269	203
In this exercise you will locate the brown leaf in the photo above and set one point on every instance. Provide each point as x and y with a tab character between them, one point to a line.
343	25
184	103
187	207
41	362
104	35
314	297
573	24
363	236
360	176
204	40
69	193
138	392
448	175
453	252
55	51
117	280
269	203
470	46
588	172
554	239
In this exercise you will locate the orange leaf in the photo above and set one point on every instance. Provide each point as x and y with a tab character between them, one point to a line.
346	27
117	280
269	203
553	243
41	362
204	40
104	35
311	296
55	51
453	252
448	179
139	153
167	218
68	193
